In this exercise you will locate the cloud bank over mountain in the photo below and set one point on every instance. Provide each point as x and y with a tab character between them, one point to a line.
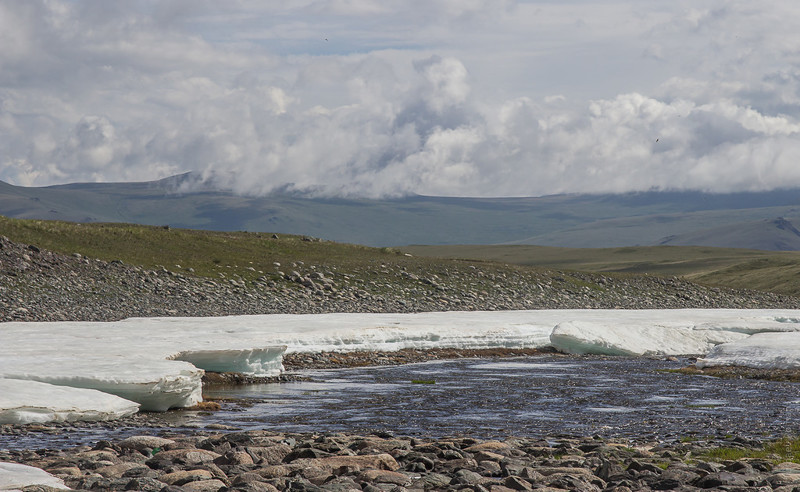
385	98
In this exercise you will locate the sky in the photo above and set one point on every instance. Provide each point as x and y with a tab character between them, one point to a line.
383	98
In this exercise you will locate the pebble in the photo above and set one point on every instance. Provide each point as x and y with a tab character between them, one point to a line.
267	461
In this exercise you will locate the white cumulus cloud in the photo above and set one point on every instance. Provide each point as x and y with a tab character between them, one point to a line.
368	98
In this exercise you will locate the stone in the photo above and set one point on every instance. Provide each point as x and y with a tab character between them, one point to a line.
552	470
464	476
70	471
270	455
185	476
781	479
487	446
433	481
362	462
145	484
491	467
488	456
517	483
572	482
715	480
145	443
384	476
234	458
186	456
119	469
275	471
98	455
212	485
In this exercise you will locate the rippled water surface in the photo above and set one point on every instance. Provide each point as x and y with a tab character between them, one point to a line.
532	396
541	396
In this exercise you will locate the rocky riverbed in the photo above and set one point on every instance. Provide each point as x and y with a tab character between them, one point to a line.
257	461
40	285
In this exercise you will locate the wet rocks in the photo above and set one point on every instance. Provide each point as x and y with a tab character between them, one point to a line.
266	461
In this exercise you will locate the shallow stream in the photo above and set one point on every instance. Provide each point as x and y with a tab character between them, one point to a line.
532	396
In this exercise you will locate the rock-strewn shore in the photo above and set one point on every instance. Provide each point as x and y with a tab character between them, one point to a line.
257	461
39	285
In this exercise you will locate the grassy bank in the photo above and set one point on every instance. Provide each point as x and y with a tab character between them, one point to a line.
252	255
206	253
771	271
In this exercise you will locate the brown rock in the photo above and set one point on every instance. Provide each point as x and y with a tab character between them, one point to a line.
185	476
70	471
382	445
384	476
491	467
355	463
781	479
517	483
316	475
143	443
488	456
487	446
269	455
99	455
187	456
116	471
213	485
234	458
552	470
277	471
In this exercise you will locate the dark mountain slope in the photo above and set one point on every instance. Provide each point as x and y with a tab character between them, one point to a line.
558	220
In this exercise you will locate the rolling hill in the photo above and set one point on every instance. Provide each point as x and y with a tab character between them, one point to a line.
739	220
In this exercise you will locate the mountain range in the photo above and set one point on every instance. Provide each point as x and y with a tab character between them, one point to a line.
754	220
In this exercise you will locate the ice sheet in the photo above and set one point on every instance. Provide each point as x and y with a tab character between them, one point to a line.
158	361
23	402
14	476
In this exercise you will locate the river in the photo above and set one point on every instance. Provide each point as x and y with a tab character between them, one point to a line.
485	398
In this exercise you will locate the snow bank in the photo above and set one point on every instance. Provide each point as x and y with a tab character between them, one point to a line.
159	362
142	360
155	384
762	350
631	340
14	476
667	332
23	402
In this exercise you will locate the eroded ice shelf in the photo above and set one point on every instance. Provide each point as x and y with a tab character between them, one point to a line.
23	402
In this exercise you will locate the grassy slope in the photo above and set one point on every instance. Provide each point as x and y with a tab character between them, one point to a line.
251	255
739	268
209	253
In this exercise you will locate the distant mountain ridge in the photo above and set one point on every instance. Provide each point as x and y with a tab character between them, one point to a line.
757	220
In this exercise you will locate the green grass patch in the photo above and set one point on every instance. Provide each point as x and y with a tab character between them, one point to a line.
423	381
772	271
781	450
